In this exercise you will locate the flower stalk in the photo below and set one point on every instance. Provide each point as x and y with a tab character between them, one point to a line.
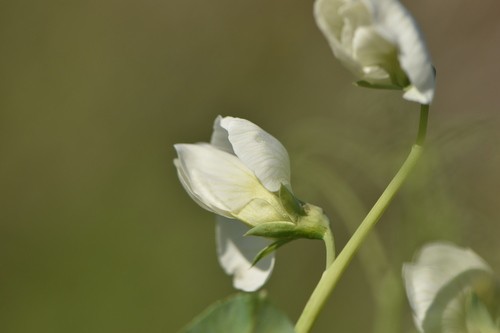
332	274
384	283
330	247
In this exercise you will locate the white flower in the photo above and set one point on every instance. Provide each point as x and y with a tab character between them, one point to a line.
238	175
449	288
379	42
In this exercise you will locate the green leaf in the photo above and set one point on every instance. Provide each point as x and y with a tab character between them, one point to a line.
241	313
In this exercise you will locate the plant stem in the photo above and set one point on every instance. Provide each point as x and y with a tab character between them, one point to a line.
384	282
330	247
422	126
332	274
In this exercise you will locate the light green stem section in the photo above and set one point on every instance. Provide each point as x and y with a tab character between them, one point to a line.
332	274
330	246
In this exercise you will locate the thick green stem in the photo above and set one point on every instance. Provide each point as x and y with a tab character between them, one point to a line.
332	274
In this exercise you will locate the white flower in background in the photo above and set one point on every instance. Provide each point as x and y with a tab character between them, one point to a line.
379	42
452	290
238	175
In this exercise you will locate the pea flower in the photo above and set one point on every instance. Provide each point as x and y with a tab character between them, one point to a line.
378	40
243	175
452	290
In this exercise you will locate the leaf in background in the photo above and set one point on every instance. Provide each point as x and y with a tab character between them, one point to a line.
242	313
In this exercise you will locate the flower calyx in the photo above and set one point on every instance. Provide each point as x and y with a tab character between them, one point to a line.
312	223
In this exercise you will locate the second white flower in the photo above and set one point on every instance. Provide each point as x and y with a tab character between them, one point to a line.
379	42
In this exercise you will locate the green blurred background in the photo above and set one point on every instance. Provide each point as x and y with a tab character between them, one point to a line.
96	233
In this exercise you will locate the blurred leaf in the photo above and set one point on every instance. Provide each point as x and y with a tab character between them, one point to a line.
242	313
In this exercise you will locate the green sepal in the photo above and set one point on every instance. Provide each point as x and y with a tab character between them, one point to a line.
366	84
270	249
277	229
243	312
312	225
303	229
291	204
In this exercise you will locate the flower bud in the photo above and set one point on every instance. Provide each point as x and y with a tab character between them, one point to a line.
243	174
239	174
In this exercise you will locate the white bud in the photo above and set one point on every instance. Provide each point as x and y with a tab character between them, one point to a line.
238	175
242	174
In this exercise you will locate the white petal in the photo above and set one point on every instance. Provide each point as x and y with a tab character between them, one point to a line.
260	210
397	25
332	25
259	151
370	48
377	55
217	180
436	281
186	183
236	253
220	138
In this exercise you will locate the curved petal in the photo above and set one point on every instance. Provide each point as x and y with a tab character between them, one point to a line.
216	180
370	48
437	284
332	25
261	210
378	57
395	23
236	253
259	151
220	138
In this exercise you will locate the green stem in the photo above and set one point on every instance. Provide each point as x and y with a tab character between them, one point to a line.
332	274
330	247
422	126
383	281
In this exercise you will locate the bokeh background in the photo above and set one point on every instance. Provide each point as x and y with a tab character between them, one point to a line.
96	233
